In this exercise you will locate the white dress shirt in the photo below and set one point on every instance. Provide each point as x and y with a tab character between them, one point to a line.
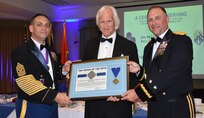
156	44
106	48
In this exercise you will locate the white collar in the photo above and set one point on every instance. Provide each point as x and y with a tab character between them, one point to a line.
163	34
113	36
36	43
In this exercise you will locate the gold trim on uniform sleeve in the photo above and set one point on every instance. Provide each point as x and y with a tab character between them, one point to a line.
23	109
145	91
30	85
20	70
144	75
45	95
191	106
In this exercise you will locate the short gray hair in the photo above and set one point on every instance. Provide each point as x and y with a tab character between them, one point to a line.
115	15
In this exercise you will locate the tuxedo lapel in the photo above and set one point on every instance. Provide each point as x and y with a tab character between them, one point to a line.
41	58
148	54
36	54
168	38
95	49
162	59
117	50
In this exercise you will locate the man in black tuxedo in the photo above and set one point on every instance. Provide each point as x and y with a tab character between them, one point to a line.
110	45
36	70
166	75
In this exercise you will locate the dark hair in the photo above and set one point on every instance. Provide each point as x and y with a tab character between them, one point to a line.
162	8
36	15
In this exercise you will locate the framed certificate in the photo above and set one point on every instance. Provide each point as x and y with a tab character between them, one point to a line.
95	79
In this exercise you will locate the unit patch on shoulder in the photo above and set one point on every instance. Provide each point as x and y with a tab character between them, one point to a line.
20	70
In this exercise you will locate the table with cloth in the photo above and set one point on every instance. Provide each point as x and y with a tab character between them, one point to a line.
77	111
6	109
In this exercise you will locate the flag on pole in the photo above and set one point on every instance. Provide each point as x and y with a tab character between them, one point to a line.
64	53
50	37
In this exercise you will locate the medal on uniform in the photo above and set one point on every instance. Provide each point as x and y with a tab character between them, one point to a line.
42	80
115	73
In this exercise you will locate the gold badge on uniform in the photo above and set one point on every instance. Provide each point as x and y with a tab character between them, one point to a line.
54	56
161	48
20	70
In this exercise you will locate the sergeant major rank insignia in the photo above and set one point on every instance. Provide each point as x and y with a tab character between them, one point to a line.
20	69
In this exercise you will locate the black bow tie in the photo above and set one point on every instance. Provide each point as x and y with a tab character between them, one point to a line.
110	40
158	39
43	46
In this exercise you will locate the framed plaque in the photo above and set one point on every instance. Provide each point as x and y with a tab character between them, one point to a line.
95	79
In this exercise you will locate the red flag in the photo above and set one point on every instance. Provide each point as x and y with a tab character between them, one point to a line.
64	52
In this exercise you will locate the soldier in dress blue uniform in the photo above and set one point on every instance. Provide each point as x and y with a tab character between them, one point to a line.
36	70
166	76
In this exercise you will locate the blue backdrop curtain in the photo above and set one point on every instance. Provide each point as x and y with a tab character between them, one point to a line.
11	35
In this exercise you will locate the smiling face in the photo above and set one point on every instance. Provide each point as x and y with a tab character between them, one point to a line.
107	23
157	21
40	29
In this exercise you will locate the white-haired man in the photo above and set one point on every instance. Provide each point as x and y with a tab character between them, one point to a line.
109	44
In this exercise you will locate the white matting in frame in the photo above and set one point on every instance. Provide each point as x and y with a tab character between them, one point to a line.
99	78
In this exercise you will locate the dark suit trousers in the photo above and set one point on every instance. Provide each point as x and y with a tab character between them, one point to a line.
105	109
179	107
